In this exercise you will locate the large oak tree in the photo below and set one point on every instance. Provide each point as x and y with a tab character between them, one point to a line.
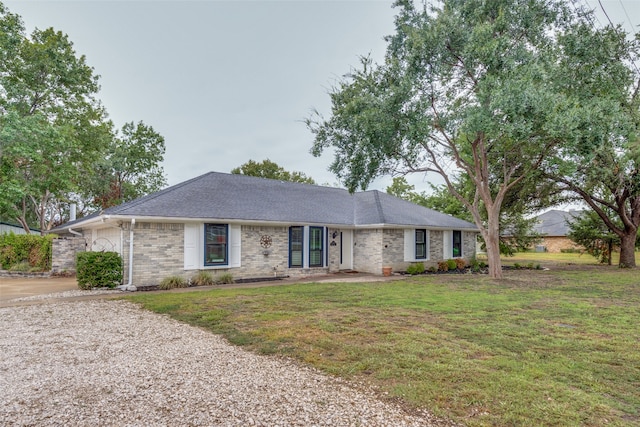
464	90
599	71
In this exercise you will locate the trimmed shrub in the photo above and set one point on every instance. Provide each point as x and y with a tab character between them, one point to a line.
172	282
451	263
415	268
461	263
225	278
202	278
30	248
98	270
443	266
432	269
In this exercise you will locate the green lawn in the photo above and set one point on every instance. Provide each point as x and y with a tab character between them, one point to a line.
545	348
559	258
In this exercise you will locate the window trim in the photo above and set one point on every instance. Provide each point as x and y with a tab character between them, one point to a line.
424	244
410	240
224	262
321	250
291	229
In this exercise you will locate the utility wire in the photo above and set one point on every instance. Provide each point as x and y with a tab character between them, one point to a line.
633	29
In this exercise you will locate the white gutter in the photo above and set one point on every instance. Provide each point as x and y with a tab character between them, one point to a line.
75	232
130	286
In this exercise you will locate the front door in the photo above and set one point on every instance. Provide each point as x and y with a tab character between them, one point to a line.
346	250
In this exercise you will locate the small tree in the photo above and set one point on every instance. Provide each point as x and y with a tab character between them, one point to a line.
591	232
132	167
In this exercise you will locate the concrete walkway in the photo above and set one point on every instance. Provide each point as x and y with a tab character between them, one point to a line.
11	288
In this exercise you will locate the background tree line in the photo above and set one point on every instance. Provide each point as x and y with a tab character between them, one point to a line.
57	145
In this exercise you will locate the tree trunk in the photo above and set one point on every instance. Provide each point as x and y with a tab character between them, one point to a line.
493	257
492	241
628	248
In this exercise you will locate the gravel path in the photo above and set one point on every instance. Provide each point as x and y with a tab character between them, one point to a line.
104	362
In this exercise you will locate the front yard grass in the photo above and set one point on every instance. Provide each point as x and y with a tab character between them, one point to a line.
545	348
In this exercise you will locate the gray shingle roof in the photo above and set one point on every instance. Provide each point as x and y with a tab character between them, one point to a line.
554	222
239	197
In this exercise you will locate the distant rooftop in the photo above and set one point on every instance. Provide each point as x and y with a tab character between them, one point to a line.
554	222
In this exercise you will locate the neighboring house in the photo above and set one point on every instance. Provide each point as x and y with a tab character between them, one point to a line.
6	228
257	228
554	228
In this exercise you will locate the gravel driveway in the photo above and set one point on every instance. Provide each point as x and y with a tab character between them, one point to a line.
105	362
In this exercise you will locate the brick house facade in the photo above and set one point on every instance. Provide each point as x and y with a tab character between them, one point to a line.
270	229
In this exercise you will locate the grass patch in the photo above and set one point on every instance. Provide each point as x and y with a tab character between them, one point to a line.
552	348
555	258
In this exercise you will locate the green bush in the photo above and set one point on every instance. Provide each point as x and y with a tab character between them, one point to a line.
29	248
451	264
203	278
225	278
571	251
98	270
172	282
415	268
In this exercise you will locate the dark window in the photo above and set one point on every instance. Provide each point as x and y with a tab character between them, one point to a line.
296	237
216	244
421	244
457	243
316	240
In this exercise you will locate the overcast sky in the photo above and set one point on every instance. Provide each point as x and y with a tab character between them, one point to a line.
229	81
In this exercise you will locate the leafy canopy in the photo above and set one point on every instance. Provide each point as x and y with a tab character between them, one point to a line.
271	170
54	133
465	92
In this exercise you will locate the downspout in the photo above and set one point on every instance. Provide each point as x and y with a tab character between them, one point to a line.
75	232
129	286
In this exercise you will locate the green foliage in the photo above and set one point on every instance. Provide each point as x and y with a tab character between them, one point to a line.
451	264
33	250
203	278
98	270
22	267
466	85
225	278
172	282
415	268
271	170
51	126
133	166
590	231
602	162
570	251
56	144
